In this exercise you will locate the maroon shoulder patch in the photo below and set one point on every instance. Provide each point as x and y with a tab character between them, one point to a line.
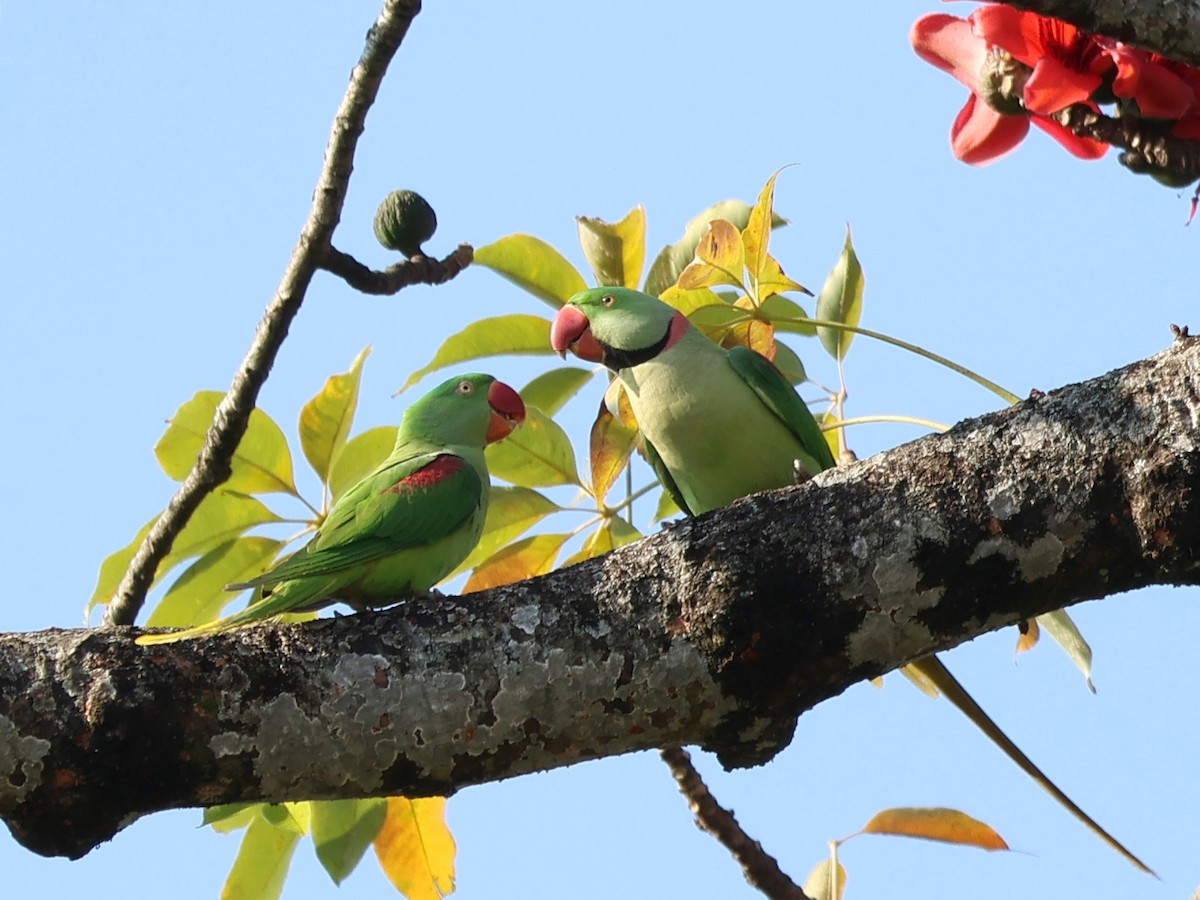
442	468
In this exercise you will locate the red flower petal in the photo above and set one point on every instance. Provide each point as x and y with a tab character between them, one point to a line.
948	43
1020	33
1084	148
1054	86
1159	92
980	134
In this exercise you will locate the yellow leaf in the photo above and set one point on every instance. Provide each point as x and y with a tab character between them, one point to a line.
821	885
1028	637
756	334
511	512
1062	629
554	387
612	440
721	248
262	462
772	281
704	275
912	673
613	533
325	420
416	849
361	455
534	265
757	233
516	562
262	862
935	823
688	301
220	517
538	454
199	595
497	336
616	252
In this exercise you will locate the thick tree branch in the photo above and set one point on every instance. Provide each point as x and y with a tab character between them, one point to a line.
212	466
718	631
417	270
1166	28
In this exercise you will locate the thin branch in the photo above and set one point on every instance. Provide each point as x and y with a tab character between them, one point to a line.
417	270
760	867
1148	141
212	466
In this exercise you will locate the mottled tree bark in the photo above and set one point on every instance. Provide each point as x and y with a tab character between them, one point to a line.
718	631
1166	28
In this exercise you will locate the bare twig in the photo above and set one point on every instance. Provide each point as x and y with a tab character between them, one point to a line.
417	270
760	867
233	412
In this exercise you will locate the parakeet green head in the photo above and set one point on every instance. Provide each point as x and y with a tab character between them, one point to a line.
471	410
616	326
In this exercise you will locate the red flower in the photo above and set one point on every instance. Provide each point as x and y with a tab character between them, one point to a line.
982	133
1163	88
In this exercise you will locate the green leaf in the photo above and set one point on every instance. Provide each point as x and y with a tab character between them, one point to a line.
511	512
534	265
326	419
841	300
550	390
538	454
666	507
615	251
527	557
262	863
199	594
230	817
262	463
499	335
787	362
787	315
718	317
1062	628
294	817
360	457
220	517
342	830
673	259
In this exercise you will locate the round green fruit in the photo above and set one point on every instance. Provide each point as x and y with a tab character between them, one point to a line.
404	221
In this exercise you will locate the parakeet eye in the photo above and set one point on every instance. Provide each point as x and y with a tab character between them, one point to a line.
608	300
465	387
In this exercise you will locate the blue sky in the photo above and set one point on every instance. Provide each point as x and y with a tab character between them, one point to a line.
158	165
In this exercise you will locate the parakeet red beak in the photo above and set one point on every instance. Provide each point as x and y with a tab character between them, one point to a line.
572	331
508	411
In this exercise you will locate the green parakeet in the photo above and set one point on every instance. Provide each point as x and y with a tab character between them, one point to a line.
719	424
406	525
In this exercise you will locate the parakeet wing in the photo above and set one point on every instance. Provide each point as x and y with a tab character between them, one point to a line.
406	504
664	476
779	396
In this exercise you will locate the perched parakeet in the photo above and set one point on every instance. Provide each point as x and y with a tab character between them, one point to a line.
405	526
719	424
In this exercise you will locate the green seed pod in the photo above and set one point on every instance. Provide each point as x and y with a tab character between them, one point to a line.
404	221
